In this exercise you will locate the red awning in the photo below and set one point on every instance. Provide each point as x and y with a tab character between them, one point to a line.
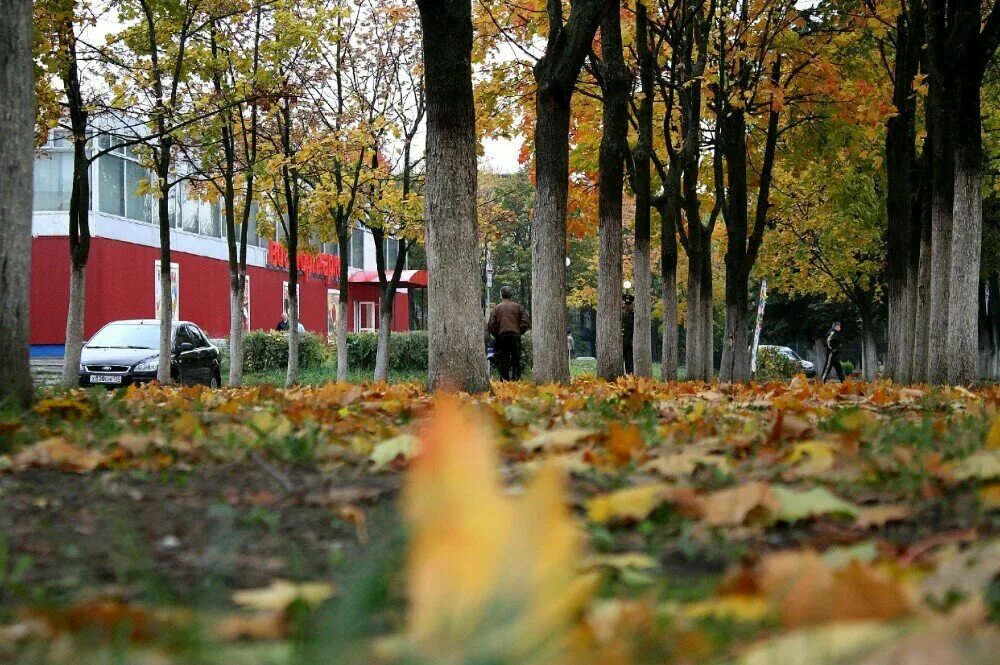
409	279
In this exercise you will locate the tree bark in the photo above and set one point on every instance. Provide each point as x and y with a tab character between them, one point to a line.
556	74
237	287
669	212
967	233
17	124
922	304
344	245
166	300
901	167
610	363
457	356
79	210
642	348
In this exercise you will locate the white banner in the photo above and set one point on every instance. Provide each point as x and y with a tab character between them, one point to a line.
761	300
175	290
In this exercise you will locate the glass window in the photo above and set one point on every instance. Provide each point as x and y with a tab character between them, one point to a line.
53	181
136	205
211	220
357	249
391	252
190	211
173	209
112	194
126	335
184	336
364	317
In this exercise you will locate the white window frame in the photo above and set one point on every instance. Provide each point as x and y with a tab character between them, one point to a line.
358	307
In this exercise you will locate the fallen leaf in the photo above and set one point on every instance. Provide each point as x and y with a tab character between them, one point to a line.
282	593
880	515
624	444
966	573
403	446
812	458
826	645
631	504
557	439
989	497
686	463
733	607
751	502
982	465
993	436
621	561
272	625
58	453
794	506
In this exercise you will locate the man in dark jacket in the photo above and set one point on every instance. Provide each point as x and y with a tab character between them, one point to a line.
628	328
508	322
833	353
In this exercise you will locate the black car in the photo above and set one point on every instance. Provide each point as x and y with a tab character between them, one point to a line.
127	352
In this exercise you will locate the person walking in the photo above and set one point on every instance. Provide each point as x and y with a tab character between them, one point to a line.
833	353
508	322
628	328
570	343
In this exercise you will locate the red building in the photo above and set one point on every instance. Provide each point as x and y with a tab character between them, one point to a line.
124	258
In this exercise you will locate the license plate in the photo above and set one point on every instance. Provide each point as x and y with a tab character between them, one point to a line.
105	378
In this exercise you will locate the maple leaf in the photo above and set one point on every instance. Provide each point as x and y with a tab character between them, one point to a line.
487	574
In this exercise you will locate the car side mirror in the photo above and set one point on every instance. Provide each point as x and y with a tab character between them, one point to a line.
184	347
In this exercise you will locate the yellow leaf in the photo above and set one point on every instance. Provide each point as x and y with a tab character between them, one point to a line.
751	501
993	436
983	465
57	453
398	447
634	503
734	607
828	645
812	457
487	574
282	593
557	439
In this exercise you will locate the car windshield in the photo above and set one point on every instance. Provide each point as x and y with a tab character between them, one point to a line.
126	336
790	353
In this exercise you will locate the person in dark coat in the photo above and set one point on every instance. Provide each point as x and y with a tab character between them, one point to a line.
283	323
508	322
833	353
628	328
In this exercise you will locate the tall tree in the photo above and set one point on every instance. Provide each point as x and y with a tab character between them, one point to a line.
17	123
457	356
615	88
556	74
641	271
960	43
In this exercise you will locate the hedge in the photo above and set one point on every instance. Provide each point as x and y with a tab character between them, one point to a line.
267	350
773	366
407	351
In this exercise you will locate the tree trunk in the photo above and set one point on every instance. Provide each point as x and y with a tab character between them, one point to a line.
166	299
869	352
668	273
642	348
735	351
74	325
707	302
901	167
967	234
922	306
237	289
694	355
457	356
17	124
79	212
384	335
344	245
292	373
610	361
819	354
548	270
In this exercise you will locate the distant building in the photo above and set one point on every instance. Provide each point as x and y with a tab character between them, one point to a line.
125	249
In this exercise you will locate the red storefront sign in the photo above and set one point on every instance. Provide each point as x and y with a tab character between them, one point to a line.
315	264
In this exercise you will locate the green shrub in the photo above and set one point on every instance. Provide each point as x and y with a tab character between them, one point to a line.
267	350
407	351
848	367
773	366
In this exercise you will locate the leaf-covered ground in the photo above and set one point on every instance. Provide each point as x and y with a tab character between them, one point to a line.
636	522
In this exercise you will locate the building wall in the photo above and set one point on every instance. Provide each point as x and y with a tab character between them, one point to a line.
121	284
